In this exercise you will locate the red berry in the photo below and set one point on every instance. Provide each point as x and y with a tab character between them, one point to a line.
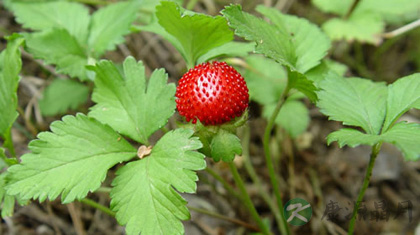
214	93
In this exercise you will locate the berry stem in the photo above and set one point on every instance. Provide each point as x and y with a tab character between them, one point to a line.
246	199
225	184
375	151
269	159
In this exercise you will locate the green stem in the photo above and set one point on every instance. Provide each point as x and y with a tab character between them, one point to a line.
375	151
225	218
269	160
254	177
98	206
246	199
225	184
351	9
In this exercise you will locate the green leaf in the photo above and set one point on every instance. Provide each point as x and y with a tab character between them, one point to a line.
73	17
62	95
58	47
128	103
403	95
299	82
293	117
406	136
7	202
197	34
353	101
318	73
225	146
363	26
272	41
352	138
110	24
232	49
11	64
2	157
265	79
72	160
333	6
143	193
308	52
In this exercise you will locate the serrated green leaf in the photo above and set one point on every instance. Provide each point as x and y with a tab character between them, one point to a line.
353	101
11	65
143	193
403	95
299	82
73	17
352	138
363	26
232	49
7	202
128	103
72	160
406	136
62	95
308	52
197	34
225	146
58	47
110	24
293	117
333	6
265	79
272	41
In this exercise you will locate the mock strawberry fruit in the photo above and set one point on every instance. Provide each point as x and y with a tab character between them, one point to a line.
213	93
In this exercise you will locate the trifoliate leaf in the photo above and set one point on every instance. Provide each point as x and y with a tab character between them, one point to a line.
73	17
406	136
231	49
293	117
353	101
318	73
9	78
352	138
404	94
333	6
57	46
110	24
265	79
130	104
308	52
197	34
225	146
62	95
7	202
363	26
72	160
299	82
144	196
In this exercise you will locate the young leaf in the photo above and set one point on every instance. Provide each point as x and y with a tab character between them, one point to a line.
293	117
232	49
354	101
308	52
9	78
73	17
128	103
72	160
144	195
404	94
62	95
7	202
197	34
406	136
299	82
110	24
57	46
225	146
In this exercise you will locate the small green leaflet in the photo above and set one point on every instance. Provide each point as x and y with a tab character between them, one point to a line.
375	108
62	95
196	34
299	82
7	202
9	78
72	160
225	146
143	193
128	102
